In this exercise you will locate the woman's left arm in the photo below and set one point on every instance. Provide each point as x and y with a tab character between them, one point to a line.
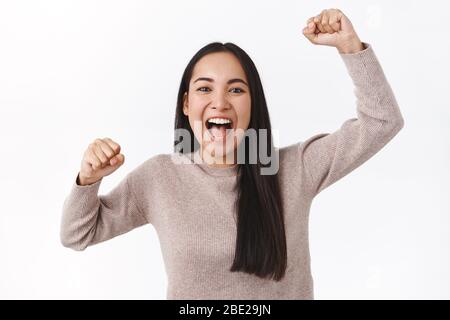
328	157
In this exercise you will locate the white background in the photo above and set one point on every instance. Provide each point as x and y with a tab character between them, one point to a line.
72	71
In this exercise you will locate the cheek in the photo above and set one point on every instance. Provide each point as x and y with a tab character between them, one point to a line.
243	110
195	109
196	117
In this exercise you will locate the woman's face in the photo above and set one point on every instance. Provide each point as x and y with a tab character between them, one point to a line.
218	104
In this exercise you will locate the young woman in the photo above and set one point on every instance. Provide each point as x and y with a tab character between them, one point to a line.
228	231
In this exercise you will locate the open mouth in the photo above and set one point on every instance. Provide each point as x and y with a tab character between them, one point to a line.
217	127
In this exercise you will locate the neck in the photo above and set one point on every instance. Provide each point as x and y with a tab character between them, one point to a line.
220	161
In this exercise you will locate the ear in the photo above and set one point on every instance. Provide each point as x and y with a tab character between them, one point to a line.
185	104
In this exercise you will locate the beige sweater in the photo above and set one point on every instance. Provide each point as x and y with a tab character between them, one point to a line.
198	242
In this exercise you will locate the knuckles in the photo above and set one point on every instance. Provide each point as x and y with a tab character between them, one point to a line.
94	162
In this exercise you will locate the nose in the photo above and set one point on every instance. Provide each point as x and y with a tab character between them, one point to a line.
220	102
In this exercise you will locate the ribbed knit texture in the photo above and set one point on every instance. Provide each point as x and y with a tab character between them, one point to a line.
191	206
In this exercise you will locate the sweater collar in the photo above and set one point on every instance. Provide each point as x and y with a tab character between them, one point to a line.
211	170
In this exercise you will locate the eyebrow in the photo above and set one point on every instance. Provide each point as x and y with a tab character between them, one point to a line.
228	82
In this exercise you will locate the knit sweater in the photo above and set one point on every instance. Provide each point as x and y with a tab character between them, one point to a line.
191	205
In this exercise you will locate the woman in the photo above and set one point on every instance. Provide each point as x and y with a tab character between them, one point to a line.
227	230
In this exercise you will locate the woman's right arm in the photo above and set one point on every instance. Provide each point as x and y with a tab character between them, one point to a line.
89	218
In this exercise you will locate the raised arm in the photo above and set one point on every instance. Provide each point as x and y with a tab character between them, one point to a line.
89	218
327	157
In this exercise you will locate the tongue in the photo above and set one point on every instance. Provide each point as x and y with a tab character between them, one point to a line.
218	131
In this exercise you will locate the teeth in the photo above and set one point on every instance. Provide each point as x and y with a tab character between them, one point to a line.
219	120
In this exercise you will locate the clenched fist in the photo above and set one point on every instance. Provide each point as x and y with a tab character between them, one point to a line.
101	158
332	28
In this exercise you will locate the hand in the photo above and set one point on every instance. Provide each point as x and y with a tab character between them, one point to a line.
101	158
332	28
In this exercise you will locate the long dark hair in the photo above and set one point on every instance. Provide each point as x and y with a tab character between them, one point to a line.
261	239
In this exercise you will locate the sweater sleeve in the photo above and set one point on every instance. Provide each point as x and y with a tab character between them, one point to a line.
327	157
89	218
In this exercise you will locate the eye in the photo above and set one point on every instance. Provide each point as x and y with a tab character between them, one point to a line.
239	90
200	89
